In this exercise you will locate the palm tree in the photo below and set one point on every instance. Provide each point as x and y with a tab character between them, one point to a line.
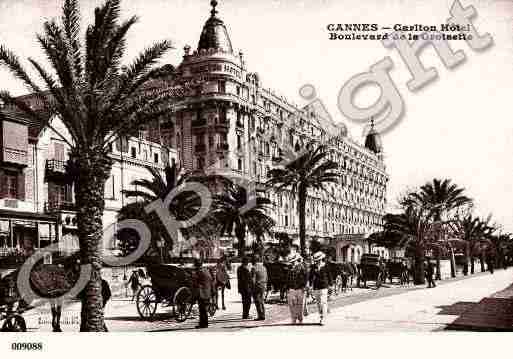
98	100
182	207
231	211
413	226
472	230
311	170
441	197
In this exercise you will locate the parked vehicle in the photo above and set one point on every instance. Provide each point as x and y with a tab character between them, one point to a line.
371	268
171	285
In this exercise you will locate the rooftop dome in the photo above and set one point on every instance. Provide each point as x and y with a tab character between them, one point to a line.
373	140
214	34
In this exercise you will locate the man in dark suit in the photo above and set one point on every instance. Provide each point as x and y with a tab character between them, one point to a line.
202	282
244	286
430	271
259	279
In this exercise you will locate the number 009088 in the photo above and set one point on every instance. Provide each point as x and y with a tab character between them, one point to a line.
27	346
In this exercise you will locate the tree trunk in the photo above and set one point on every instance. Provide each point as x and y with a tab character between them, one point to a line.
472	259
302	219
453	263
419	277
467	255
240	233
481	262
93	169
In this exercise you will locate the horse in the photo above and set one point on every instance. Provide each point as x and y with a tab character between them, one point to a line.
221	281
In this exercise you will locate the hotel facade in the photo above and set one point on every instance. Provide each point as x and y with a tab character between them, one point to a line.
230	122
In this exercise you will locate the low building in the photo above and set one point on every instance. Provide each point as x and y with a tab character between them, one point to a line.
37	205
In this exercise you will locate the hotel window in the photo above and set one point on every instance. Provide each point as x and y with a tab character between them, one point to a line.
222	86
10	185
239	142
156	157
238	90
133	152
210	141
239	164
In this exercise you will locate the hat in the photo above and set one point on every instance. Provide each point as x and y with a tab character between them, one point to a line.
318	256
293	258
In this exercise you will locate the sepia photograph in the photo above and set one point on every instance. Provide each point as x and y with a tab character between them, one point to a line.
320	169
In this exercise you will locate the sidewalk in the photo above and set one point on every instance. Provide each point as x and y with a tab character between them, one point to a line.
492	313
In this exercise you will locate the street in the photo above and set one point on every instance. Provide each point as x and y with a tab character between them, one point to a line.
390	308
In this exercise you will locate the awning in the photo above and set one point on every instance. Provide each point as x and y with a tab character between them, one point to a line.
7	214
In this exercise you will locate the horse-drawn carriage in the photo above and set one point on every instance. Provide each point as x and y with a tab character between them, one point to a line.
277	279
370	268
170	286
398	268
11	306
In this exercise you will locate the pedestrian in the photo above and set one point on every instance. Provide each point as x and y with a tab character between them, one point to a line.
134	283
296	282
203	286
320	280
490	259
244	286
222	281
430	271
259	280
56	308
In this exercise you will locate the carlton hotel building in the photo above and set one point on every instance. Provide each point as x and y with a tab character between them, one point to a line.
229	120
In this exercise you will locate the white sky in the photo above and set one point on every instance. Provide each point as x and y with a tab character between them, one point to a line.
456	127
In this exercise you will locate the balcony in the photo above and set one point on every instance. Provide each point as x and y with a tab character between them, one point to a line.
56	166
58	206
200	148
199	123
223	147
223	125
56	170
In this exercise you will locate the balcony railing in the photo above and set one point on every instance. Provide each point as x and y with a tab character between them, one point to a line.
200	148
223	125
56	206
199	123
223	147
56	166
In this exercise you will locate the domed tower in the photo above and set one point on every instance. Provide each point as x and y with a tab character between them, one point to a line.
211	119
214	34
373	141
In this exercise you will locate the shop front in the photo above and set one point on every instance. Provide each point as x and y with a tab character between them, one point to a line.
22	233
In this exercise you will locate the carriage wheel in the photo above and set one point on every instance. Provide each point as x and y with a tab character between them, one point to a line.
15	323
146	302
183	304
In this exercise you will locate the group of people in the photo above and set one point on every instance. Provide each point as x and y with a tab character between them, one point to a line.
252	285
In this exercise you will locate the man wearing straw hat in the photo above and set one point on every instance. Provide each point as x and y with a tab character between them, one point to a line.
320	281
297	280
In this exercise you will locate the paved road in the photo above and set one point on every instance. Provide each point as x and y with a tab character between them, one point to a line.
393	308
